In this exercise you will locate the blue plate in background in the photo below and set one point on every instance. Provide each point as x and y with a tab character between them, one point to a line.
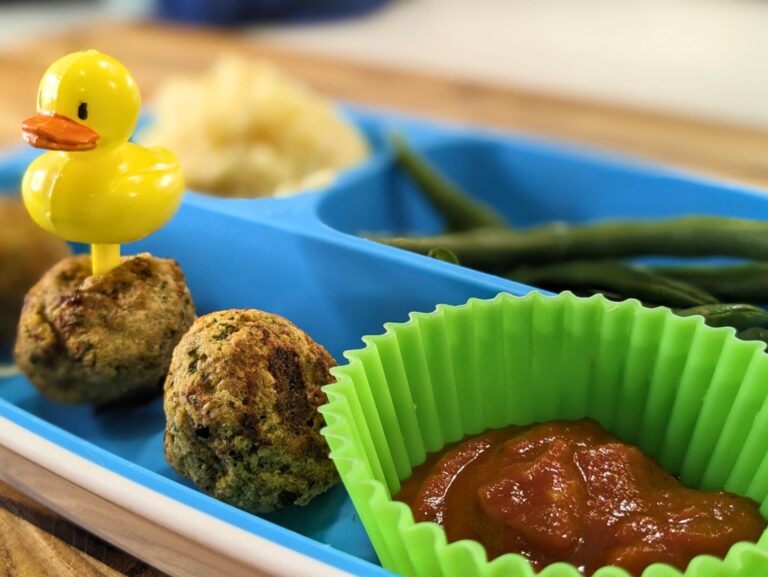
233	12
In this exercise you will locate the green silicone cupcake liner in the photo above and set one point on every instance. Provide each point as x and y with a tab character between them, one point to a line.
692	397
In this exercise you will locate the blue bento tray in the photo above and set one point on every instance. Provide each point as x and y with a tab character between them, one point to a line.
301	257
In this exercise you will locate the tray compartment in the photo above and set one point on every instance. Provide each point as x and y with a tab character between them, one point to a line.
531	182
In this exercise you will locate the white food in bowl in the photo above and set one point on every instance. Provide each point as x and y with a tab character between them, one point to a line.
246	129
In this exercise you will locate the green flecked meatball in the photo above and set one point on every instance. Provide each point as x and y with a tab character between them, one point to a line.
103	339
241	403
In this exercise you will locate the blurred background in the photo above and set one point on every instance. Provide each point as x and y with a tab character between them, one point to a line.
700	58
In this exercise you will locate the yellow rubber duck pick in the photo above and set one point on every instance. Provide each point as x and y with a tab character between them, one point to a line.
95	186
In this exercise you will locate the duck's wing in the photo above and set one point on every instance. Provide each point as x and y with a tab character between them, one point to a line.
147	191
37	188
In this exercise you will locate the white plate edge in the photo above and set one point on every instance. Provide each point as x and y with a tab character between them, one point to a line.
236	543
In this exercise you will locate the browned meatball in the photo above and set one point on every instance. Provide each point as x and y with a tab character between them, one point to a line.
26	252
241	402
103	339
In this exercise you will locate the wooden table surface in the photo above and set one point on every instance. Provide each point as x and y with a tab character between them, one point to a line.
36	542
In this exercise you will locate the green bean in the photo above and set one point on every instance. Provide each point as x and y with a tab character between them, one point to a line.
754	334
496	250
615	278
460	210
443	254
741	282
739	316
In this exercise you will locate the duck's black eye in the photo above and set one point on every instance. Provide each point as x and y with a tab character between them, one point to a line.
82	111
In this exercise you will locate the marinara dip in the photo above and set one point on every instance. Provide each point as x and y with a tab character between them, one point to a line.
570	491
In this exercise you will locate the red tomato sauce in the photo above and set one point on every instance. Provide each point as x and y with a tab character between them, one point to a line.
570	491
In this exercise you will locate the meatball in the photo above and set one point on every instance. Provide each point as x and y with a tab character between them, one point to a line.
241	403
26	252
103	339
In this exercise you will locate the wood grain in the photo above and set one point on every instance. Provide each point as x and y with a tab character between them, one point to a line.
168	550
153	52
34	541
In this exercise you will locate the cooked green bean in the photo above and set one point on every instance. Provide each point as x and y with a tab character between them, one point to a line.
443	254
460	210
615	278
739	316
754	334
736	283
496	250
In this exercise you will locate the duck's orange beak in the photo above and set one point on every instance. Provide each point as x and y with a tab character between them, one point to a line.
58	132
